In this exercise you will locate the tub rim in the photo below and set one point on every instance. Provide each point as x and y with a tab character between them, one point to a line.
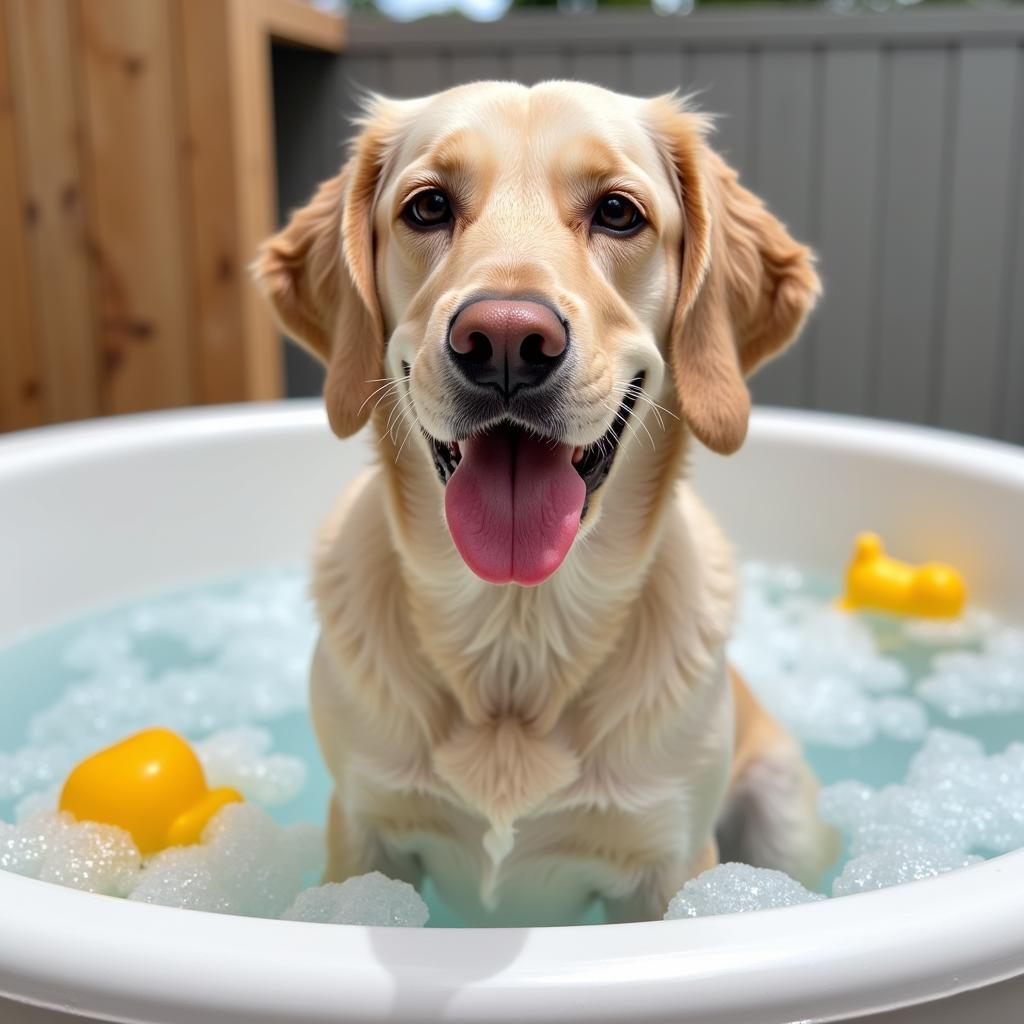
879	951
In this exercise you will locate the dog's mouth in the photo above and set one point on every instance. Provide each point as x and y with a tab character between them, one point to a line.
514	498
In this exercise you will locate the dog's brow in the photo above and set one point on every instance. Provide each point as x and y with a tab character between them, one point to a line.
590	158
458	153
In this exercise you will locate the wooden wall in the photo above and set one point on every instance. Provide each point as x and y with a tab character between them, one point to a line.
137	178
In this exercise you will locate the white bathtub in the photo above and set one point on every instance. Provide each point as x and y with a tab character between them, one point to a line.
98	513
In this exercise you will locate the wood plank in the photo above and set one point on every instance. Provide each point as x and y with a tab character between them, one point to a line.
783	175
852	95
967	394
253	155
651	71
21	385
912	211
217	264
137	201
300	24
722	83
49	128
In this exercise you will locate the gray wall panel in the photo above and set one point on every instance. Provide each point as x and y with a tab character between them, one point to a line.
479	67
309	144
529	66
651	70
969	327
894	144
783	173
365	71
723	85
852	83
413	74
601	67
913	204
1011	364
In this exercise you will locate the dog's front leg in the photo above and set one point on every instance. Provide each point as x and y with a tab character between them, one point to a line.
649	900
354	848
348	852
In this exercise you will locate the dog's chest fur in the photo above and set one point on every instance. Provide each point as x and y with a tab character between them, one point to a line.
463	714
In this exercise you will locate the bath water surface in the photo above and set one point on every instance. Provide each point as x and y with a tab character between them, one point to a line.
877	702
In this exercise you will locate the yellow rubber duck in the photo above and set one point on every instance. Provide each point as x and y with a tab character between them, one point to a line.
151	785
877	582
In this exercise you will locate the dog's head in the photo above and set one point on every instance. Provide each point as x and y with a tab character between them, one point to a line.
526	271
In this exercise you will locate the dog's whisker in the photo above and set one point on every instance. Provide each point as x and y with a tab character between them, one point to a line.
395	402
638	391
392	393
654	409
391	429
399	405
628	425
657	415
383	387
401	447
408	416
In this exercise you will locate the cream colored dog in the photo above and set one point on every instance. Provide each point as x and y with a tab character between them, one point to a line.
537	295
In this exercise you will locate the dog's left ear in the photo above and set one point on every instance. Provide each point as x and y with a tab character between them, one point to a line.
746	286
317	273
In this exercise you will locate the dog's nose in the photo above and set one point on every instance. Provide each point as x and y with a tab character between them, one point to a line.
510	343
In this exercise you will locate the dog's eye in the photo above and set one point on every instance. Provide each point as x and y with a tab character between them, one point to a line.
428	209
617	214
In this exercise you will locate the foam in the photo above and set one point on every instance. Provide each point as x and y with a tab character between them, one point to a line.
245	864
896	863
216	664
737	889
372	899
990	681
242	657
79	855
955	803
242	758
816	668
970	628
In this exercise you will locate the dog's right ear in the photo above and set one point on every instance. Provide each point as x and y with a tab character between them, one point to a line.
318	275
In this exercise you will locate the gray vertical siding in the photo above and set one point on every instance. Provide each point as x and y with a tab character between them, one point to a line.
893	143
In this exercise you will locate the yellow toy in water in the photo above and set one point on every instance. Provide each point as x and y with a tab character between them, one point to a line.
876	582
151	785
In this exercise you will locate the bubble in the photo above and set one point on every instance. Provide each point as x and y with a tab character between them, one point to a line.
241	758
371	899
737	889
955	797
990	681
80	855
895	863
817	669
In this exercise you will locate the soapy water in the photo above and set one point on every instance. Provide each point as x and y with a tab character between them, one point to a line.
910	725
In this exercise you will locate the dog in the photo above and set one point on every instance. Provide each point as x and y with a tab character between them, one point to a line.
537	296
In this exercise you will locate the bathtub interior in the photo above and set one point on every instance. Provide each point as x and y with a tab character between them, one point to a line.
258	519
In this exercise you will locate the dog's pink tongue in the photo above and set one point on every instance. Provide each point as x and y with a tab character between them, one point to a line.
513	507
